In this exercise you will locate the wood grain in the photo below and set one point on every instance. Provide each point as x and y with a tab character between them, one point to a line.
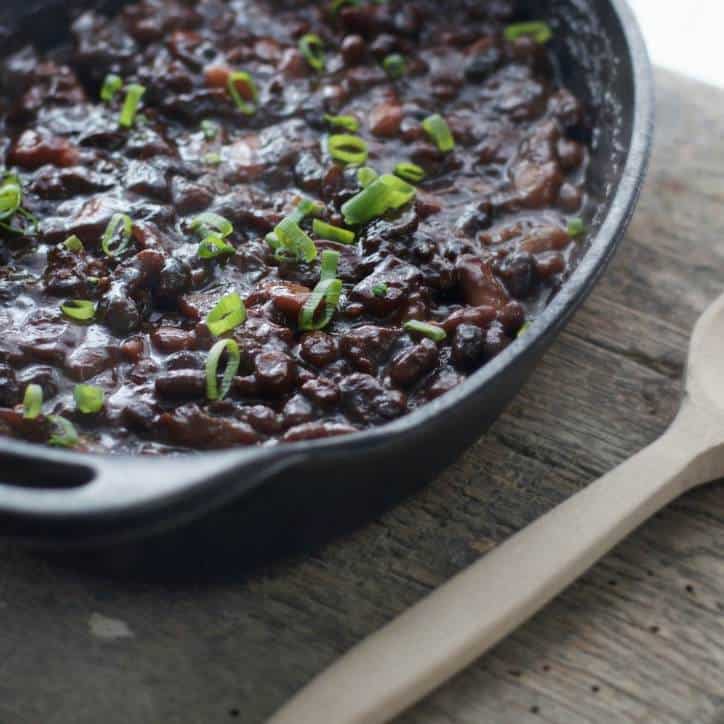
639	638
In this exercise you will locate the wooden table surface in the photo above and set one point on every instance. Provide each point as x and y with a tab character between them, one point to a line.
639	638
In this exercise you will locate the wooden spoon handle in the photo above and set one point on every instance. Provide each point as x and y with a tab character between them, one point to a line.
446	631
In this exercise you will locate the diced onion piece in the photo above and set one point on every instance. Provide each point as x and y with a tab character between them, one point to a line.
435	333
349	123
332	233
74	244
311	47
539	30
233	360
347	148
386	193
111	85
438	130
395	66
228	313
32	402
64	434
134	93
88	399
410	172
117	236
576	227
245	106
81	310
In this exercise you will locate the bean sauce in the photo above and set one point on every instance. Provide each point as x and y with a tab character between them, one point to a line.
234	117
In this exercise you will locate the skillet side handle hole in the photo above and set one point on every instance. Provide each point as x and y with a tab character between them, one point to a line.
27	472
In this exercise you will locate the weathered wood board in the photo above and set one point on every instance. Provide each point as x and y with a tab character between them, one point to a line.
639	638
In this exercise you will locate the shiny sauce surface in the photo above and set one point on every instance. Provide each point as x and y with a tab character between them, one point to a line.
490	236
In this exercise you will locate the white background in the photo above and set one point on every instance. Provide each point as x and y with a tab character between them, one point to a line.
687	36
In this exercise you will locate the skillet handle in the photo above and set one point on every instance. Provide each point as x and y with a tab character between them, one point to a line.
53	495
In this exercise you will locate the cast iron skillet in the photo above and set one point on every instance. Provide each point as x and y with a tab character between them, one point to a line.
65	499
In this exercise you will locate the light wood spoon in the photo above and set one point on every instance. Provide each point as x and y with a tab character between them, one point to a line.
458	622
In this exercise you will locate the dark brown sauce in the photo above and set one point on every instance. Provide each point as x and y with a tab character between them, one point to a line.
480	251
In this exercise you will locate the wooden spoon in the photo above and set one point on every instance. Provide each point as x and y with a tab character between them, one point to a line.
446	631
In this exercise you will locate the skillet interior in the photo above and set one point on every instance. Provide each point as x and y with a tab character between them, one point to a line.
79	500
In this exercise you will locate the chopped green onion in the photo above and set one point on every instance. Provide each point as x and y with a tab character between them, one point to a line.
294	241
210	223
212	365
210	129
410	172
245	106
312	48
88	399
366	175
437	128
395	66
81	310
537	29
304	209
435	333
11	196
65	435
380	290
213	158
32	402
347	148
576	227
524	328
111	85
332	233
74	244
134	93
229	313
328	291
384	194
117	236
336	5
329	263
349	123
214	245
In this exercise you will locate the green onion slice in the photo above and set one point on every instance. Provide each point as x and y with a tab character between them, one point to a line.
328	291
210	129
395	66
410	172
11	196
229	313
233	360
347	148
32	402
384	194
117	236
81	310
213	158
366	175
336	5
88	399
64	434
539	30
332	233
111	85
349	123
438	130
311	47
214	245
210	223
74	244
380	290
435	333
576	227
247	107
328	265
294	241
134	93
